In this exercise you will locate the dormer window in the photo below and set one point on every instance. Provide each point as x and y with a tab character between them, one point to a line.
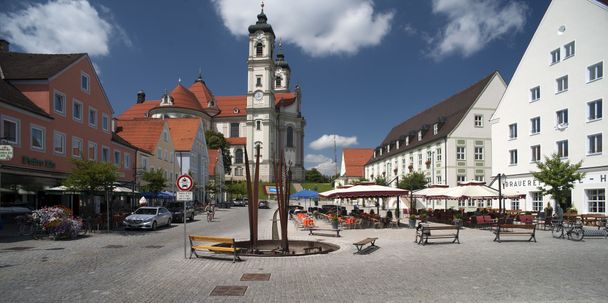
259	49
419	135
407	140
435	128
278	82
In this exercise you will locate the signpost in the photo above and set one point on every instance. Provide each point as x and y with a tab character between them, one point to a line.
184	184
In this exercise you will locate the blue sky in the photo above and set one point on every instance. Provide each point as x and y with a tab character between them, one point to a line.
363	65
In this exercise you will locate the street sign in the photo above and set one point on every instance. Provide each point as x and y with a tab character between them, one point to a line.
6	152
184	183
184	196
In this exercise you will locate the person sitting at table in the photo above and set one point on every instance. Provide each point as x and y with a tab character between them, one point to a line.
372	213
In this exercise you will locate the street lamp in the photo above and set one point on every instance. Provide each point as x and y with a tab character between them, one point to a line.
397	185
501	207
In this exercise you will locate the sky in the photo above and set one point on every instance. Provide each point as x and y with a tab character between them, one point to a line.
364	66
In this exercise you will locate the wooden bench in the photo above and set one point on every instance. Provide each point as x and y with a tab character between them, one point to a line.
515	230
313	229
600	232
423	233
359	244
194	246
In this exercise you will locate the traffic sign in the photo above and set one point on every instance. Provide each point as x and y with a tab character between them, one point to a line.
184	196
184	182
6	152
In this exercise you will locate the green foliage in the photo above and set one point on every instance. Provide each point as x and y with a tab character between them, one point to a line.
381	181
90	176
558	177
318	187
413	181
216	140
155	180
236	189
314	176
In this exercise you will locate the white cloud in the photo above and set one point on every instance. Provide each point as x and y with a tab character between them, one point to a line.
318	27
323	164
472	24
316	159
62	26
327	141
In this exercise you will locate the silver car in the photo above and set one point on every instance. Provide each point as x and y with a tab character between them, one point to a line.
148	218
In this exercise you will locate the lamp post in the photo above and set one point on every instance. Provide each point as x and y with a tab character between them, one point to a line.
396	185
501	207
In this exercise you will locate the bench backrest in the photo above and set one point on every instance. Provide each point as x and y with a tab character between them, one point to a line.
447	227
523	226
211	239
487	219
479	219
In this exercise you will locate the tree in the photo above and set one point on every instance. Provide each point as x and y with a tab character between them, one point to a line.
558	178
381	181
314	176
155	180
89	177
216	140
413	181
236	189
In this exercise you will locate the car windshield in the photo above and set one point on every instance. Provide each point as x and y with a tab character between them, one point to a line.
175	205
146	211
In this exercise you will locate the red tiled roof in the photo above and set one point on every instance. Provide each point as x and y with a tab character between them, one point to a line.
355	159
13	96
139	110
143	133
213	158
25	66
202	92
183	132
184	98
228	104
284	98
237	141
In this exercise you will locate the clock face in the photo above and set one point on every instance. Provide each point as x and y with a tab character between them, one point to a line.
258	95
260	37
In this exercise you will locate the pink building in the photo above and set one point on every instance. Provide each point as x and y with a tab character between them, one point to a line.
53	109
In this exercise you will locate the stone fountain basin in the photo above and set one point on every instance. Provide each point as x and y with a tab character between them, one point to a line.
272	248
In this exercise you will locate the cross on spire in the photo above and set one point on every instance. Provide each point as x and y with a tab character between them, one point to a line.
262	5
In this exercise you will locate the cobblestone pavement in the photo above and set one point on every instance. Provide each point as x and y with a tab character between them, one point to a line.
143	266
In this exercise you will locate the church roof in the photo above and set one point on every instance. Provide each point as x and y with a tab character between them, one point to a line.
232	106
355	160
237	141
143	133
183	132
201	91
139	110
213	158
184	98
285	99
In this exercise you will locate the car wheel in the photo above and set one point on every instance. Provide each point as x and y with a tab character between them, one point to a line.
154	225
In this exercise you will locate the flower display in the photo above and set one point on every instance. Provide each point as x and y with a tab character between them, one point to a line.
58	221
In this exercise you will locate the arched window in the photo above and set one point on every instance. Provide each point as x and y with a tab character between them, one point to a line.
289	136
259	50
278	81
238	156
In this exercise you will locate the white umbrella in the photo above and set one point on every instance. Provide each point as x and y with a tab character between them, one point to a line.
433	191
121	189
365	191
475	190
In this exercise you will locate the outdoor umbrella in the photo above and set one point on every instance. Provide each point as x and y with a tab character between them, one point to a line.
433	192
305	194
476	190
364	191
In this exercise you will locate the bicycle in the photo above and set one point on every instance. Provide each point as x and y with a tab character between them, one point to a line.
87	226
573	230
210	216
25	224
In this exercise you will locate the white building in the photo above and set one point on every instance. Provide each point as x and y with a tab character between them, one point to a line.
449	142
554	104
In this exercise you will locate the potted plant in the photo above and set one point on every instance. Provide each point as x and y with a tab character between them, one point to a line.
457	219
412	221
334	222
571	210
410	167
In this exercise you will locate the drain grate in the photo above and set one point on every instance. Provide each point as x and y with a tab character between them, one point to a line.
18	248
114	246
55	248
153	246
226	291
255	277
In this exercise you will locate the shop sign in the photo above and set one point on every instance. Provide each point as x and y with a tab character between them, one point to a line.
6	152
37	162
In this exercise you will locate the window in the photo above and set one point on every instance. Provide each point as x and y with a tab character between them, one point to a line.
105	122
238	156
595	143
77	110
117	158
555	56
535	93
439	180
419	135
478	153
171	157
59	103
595	110
77	147
562	149
92	151
562	84
461	178
535	125
234	130
92	117
596	200
127	160
258	125
278	82
435	128
460	153
480	178
37	137
438	152
407	140
258	81
165	136
259	50
10	130
238	171
84	82
537	201
59	143
513	131
595	71
419	159
569	49
515	204
478	121
562	118
513	157
289	136
144	163
105	154
535	153
159	153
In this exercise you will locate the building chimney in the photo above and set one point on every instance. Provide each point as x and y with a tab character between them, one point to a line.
141	96
4	46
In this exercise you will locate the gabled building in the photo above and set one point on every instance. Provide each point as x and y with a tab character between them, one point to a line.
216	174
352	167
448	142
555	104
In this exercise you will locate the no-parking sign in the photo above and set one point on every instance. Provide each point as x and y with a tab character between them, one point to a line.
184	183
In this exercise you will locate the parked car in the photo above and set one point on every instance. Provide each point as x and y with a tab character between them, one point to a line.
239	203
177	209
148	218
264	204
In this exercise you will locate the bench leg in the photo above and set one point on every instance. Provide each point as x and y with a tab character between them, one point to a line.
373	243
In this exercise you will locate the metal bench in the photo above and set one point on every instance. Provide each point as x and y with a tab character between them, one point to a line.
423	233
359	244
